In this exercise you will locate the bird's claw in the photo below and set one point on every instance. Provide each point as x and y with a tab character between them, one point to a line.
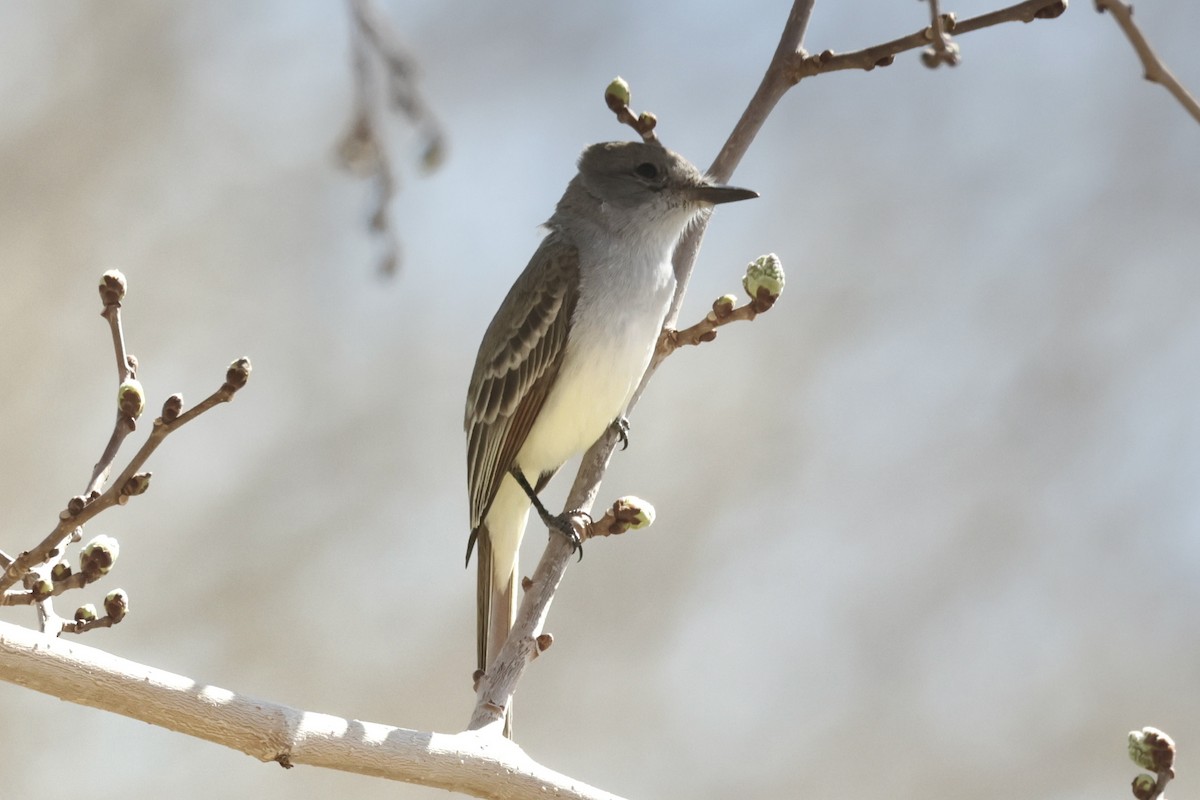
565	524
621	426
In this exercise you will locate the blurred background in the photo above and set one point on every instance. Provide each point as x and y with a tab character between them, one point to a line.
928	528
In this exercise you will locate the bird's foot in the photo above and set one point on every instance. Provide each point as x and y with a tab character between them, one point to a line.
564	523
621	426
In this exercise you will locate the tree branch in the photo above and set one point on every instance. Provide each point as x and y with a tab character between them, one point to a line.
471	763
1155	70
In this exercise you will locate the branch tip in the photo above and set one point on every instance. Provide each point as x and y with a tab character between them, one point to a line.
112	288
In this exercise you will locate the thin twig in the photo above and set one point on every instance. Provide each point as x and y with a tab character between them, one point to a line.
119	492
1155	70
112	292
881	55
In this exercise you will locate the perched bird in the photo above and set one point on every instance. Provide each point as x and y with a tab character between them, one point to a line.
568	346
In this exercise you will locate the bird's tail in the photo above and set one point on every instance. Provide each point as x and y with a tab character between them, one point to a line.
497	598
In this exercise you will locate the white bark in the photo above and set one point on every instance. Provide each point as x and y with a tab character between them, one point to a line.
478	763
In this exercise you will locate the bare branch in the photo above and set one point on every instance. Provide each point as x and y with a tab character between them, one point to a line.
476	764
1155	70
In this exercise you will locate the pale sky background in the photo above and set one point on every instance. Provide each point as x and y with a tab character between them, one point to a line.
927	529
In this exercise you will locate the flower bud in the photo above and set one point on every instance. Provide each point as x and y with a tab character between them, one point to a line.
764	279
112	288
98	556
137	484
116	604
633	513
172	407
237	374
85	613
617	92
1152	749
131	400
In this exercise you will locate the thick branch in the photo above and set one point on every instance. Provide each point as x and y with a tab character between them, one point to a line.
1155	70
476	764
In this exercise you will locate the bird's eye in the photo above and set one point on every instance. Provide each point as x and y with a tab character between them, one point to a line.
646	170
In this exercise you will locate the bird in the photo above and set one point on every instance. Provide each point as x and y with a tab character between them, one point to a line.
568	346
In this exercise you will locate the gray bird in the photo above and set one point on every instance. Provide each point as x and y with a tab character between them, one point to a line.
568	346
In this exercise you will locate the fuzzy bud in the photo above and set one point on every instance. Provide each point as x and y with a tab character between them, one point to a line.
41	587
722	307
112	288
137	484
633	513
172	407
1152	749
98	556
85	613
646	122
131	400
1144	786
116	604
76	504
617	92
60	571
764	280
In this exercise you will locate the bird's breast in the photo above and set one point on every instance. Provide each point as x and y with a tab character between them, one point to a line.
614	330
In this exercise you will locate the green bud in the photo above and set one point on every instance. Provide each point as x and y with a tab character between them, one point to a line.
617	92
41	588
85	613
1152	749
1144	786
116	604
61	571
112	288
764	279
634	512
131	400
98	556
722	307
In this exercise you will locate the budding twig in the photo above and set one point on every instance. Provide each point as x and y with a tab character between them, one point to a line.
617	97
763	283
804	65
130	482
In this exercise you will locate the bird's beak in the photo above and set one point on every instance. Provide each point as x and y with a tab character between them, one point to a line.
717	194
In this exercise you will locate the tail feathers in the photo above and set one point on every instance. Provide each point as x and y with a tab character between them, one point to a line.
497	607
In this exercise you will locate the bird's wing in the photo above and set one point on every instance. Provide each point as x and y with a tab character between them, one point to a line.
517	364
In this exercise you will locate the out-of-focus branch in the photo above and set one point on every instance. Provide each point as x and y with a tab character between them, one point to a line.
471	763
1155	70
384	74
